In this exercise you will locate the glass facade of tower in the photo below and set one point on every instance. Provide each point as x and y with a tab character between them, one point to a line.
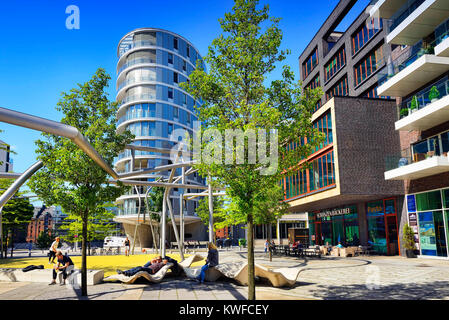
152	64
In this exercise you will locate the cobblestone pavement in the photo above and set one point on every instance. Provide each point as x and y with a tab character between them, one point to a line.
357	278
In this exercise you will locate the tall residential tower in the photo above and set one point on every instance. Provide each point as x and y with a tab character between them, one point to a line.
152	63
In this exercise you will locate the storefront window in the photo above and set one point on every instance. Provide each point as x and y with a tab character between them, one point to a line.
429	200
446	198
338	229
376	234
382	226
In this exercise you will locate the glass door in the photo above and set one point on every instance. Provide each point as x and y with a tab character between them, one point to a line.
392	234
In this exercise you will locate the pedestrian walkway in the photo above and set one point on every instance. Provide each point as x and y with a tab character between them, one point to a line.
327	278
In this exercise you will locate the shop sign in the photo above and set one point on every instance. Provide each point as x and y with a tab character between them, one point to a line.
335	212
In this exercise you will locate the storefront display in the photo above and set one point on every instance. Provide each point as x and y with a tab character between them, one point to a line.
382	226
335	226
430	220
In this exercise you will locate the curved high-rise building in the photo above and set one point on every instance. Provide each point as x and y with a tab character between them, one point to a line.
152	63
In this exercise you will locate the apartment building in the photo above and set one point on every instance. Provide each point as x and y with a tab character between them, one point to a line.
418	75
344	193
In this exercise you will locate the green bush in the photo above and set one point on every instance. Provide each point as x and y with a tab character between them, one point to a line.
242	242
403	112
408	238
414	104
434	93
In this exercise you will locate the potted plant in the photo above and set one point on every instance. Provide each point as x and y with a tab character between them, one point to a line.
434	94
414	104
403	112
408	238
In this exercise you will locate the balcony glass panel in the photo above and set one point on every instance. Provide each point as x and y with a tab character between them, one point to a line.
403	13
425	97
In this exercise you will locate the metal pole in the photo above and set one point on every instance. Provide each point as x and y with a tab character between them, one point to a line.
163	229
173	222
12	190
137	222
211	212
1	233
181	210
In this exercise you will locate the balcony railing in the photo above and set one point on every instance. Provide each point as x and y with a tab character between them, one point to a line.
135	80
406	59
403	13
136	115
134	62
424	98
138	97
138	44
419	151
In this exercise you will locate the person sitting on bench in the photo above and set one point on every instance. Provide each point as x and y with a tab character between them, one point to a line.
152	267
64	265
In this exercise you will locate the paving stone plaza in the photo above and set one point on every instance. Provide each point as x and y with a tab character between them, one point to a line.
329	278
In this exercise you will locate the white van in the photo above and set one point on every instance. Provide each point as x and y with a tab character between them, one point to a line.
114	242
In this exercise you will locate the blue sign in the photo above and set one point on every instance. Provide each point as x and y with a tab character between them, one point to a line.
411	203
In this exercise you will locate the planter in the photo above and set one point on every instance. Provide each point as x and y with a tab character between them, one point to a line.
410	253
434	100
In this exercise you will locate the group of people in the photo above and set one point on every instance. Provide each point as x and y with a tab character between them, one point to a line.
65	264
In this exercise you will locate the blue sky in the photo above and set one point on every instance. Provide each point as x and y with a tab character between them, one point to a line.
40	57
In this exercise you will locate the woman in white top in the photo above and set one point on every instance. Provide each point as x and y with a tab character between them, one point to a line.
52	252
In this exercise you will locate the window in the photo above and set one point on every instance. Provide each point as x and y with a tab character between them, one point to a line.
335	64
185	99
368	65
340	89
310	63
170	93
170	128
188	51
365	33
175	77
175	112
175	43
324	124
170	58
188	118
372	93
315	83
184	65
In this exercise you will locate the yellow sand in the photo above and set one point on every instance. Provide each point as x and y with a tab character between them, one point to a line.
107	263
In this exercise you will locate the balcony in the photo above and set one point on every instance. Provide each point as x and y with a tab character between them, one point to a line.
442	45
429	109
416	20
138	97
428	157
135	80
134	62
136	115
415	71
136	44
385	8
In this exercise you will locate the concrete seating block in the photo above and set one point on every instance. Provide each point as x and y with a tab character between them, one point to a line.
45	275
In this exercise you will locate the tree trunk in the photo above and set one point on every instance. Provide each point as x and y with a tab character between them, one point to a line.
83	255
89	247
12	242
251	279
269	236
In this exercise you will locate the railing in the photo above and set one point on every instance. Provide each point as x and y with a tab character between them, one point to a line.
402	14
137	97
405	60
138	44
134	62
135	80
417	152
442	37
424	98
136	115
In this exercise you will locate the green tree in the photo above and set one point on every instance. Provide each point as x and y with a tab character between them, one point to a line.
16	214
235	96
99	225
44	240
203	211
70	178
